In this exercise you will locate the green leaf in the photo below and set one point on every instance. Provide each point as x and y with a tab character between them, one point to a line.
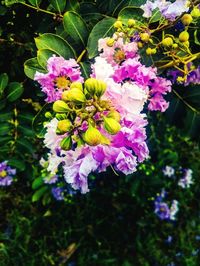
25	146
31	66
38	182
131	12
38	120
39	193
73	5
102	29
17	164
3	82
12	2
76	27
5	129
90	12
156	16
196	39
43	55
55	44
35	2
58	5
85	69
15	90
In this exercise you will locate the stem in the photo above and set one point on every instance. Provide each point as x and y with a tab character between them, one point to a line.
41	10
186	103
81	56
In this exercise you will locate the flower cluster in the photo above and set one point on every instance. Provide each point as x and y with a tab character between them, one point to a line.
162	209
100	122
183	175
6	174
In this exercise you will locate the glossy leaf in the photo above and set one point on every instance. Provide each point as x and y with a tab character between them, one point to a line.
75	26
39	193
19	164
35	2
37	122
31	66
37	183
43	55
3	82
55	44
58	5
131	13
15	90
73	5
102	29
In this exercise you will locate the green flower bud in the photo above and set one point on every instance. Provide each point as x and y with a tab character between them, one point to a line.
150	51
184	36
167	42
60	107
144	37
74	95
186	19
110	42
92	136
195	12
64	126
90	85
77	85
115	115
111	125
61	116
175	45
118	24
131	23
48	115
139	44
66	143
100	88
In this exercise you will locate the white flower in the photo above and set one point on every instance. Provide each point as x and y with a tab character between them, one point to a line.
168	171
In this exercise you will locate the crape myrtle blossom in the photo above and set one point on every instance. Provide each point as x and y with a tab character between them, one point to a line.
186	180
6	174
127	68
168	9
60	74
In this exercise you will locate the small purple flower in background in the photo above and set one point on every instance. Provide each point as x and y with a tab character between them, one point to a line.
57	192
173	210
162	209
6	174
186	180
169	239
168	171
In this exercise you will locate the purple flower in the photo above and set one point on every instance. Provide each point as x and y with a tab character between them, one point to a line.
126	162
168	171
162	210
186	180
57	192
6	174
51	179
60	74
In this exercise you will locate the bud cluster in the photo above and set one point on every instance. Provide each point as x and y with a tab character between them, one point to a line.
83	116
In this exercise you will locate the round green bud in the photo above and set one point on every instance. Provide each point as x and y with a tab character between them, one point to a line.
48	115
175	45
118	24
92	136
115	115
111	125
167	42
90	85
64	126
195	12
77	85
150	51
131	23
100	88
110	42
66	143
184	36
139	44
60	107
144	37
74	95
186	19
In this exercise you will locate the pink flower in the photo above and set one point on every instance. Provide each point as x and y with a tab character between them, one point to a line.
60	74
